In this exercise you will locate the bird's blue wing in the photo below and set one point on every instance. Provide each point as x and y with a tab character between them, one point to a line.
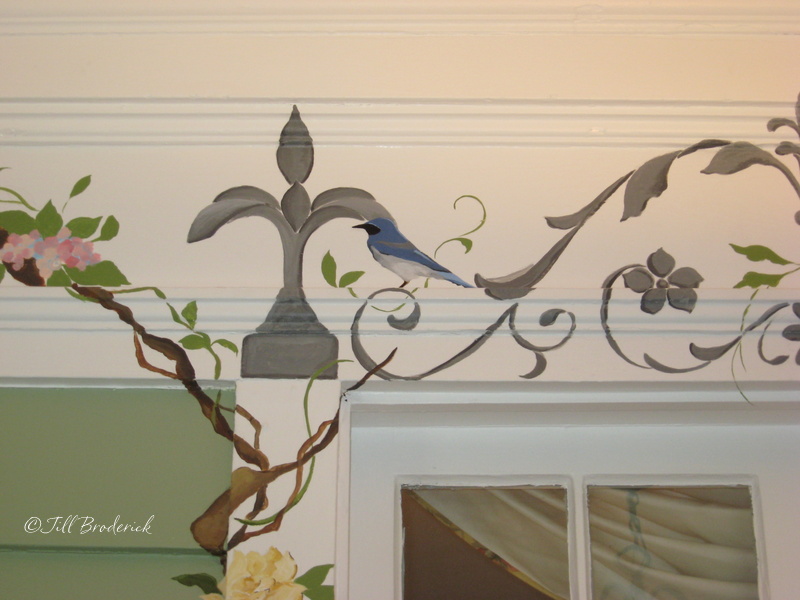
407	251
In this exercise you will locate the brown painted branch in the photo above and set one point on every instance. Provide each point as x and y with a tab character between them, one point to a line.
306	452
184	371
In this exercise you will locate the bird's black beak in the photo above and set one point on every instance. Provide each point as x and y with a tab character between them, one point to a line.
360	226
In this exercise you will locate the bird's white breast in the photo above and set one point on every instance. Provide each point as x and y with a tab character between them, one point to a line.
405	269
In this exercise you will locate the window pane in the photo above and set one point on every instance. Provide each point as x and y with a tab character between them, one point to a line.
672	543
474	543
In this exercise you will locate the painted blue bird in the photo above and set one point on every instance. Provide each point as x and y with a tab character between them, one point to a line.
393	250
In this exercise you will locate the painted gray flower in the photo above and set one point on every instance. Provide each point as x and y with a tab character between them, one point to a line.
660	282
792	332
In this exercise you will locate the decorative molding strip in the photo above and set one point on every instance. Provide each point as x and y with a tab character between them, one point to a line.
421	122
452	17
238	311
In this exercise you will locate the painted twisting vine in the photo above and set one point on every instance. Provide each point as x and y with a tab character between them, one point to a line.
658	281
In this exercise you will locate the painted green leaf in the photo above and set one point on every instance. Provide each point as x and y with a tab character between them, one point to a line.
754	280
48	221
323	592
109	230
204	581
329	269
194	341
175	316
350	278
228	344
466	242
2	271
103	273
189	313
739	156
314	577
59	279
17	221
758	253
80	186
84	227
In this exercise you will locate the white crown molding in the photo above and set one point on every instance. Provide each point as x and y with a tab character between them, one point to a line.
452	17
239	311
385	123
47	334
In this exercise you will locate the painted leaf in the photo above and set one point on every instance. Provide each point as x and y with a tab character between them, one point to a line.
466	242
228	344
739	156
711	353
48	221
2	272
189	313
80	186
59	279
323	592
755	280
757	253
314	577
84	227
778	122
17	221
350	278
204	581
295	150
329	269
175	316
194	341
109	230
296	205
232	204
785	148
648	181
103	273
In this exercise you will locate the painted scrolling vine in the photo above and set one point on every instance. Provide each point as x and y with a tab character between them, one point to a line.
39	246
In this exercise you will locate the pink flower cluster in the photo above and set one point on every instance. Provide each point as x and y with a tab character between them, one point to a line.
51	253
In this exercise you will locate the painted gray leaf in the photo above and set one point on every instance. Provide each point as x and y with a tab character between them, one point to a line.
777	123
638	280
233	204
295	150
660	263
406	323
739	156
704	145
342	195
296	205
350	203
520	283
550	316
785	148
685	277
648	181
712	353
538	369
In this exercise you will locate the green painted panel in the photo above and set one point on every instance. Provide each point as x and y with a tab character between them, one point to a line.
68	576
103	456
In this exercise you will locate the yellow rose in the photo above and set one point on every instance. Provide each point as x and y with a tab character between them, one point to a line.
255	576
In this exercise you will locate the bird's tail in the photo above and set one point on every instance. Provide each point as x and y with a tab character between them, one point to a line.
456	279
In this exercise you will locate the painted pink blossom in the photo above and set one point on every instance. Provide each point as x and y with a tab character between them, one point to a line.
19	248
51	253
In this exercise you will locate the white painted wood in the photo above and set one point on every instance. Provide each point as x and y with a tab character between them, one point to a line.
678	445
